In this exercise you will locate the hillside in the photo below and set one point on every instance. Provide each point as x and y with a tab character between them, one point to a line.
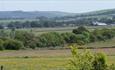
51	14
105	16
32	14
100	13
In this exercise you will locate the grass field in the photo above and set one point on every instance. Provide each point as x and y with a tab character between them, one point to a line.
43	59
38	31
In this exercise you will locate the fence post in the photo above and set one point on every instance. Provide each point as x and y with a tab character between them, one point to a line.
1	67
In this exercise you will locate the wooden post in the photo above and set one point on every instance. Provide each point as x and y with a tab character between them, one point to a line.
1	67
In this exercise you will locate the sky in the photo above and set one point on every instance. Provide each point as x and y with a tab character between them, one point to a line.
73	6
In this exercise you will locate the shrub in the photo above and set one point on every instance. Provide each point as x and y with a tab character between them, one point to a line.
13	44
1	45
103	34
99	62
88	61
82	39
107	33
80	30
111	67
81	61
69	37
28	38
51	39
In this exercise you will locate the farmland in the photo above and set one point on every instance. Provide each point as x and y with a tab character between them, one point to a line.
43	59
38	31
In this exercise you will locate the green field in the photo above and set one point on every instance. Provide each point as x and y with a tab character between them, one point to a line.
38	31
43	59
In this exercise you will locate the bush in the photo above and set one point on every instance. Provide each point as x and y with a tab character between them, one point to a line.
82	39
111	67
69	37
107	33
51	39
103	34
1	45
81	61
13	44
28	38
80	30
99	62
88	61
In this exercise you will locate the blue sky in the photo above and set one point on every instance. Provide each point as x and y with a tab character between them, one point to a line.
75	6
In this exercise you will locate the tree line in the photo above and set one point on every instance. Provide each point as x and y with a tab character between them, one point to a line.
70	22
17	39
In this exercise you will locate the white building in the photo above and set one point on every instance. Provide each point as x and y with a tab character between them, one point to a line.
99	23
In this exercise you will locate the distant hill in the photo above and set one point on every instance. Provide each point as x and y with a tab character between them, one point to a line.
100	13
32	14
52	14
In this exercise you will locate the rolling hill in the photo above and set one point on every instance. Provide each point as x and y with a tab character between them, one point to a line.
52	14
32	14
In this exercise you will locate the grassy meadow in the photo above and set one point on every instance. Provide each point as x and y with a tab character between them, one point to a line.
38	31
44	59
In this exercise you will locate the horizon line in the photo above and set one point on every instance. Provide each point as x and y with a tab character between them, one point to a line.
52	11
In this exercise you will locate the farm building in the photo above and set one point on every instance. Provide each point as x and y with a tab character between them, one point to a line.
99	23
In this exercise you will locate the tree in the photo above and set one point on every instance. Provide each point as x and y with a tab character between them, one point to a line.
80	30
28	38
1	44
11	44
51	39
69	37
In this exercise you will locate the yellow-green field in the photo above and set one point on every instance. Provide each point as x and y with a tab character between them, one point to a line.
43	59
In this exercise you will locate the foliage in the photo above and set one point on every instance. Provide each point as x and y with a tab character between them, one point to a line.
79	36
69	37
88	61
81	61
52	39
13	44
80	30
1	44
111	67
103	34
28	38
99	62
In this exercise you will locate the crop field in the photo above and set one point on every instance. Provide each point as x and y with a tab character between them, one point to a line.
43	59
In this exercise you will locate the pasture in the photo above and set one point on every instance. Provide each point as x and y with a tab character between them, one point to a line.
38	31
43	59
